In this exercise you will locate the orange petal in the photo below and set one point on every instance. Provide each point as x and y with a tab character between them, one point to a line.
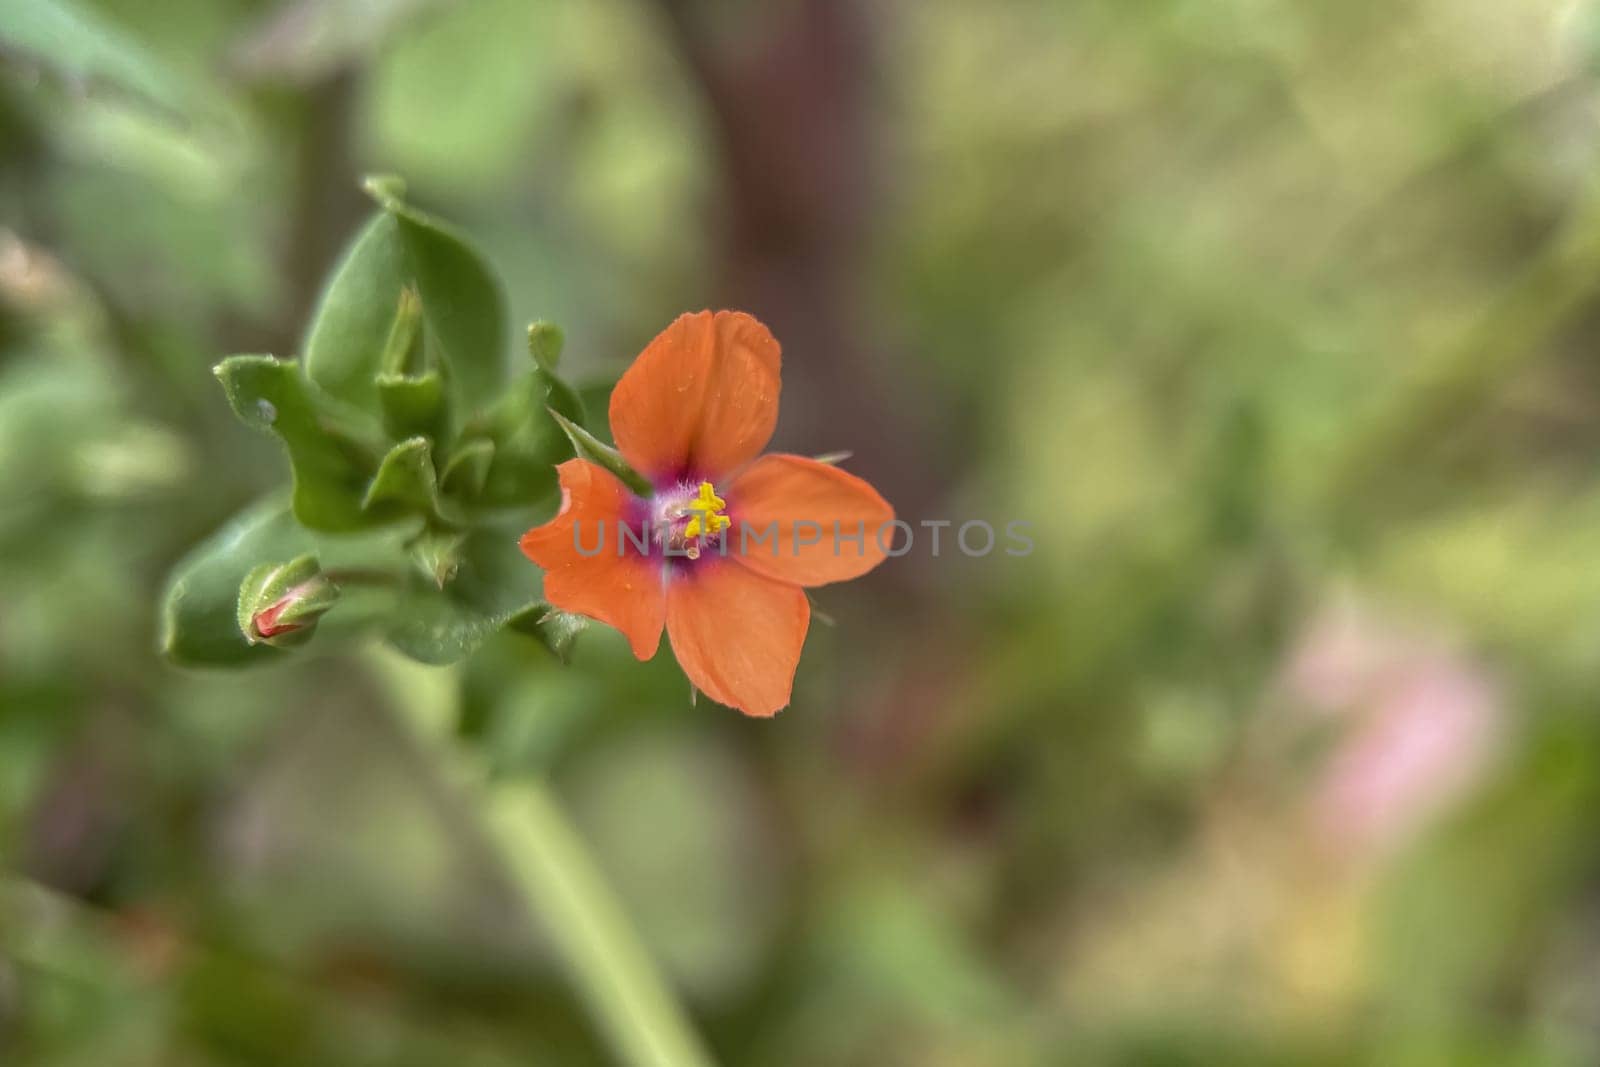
701	399
624	591
806	501
737	635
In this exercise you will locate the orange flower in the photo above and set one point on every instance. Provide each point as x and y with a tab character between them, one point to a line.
721	551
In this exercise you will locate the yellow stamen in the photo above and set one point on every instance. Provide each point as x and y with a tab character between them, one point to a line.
706	515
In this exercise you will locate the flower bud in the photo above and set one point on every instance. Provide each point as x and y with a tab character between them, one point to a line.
280	603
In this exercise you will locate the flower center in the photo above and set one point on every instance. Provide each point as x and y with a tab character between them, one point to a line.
688	523
706	513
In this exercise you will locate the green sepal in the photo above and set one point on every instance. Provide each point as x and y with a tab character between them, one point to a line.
467	470
437	554
463	309
557	630
407	482
280	603
590	447
330	465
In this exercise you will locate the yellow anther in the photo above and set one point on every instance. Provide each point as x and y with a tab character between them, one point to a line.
706	513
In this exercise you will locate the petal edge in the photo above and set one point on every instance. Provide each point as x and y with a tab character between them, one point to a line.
701	399
623	591
783	493
738	635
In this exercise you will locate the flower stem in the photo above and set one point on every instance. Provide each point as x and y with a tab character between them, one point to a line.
520	825
618	979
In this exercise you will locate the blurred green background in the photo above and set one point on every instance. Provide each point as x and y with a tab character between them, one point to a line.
1277	321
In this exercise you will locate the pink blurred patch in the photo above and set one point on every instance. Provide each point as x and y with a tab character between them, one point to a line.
1424	745
1420	727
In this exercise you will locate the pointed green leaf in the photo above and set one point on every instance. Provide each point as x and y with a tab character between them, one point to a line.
350	329
592	448
557	630
406	482
468	469
463	309
527	447
389	190
331	468
437	554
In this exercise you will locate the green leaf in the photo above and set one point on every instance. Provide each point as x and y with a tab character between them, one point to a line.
435	627
463	309
344	350
592	448
86	48
527	447
557	630
406	480
493	584
199	616
467	471
331	469
437	553
412	405
200	608
528	442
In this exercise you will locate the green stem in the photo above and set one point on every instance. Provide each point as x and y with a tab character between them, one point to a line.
520	824
618	979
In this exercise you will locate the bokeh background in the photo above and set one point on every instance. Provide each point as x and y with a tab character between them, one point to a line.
1277	321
